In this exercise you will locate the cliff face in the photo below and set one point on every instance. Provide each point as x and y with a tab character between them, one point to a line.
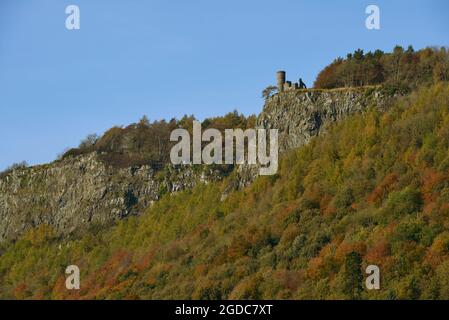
300	115
78	191
81	190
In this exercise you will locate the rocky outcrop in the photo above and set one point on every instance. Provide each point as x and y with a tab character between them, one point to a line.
302	114
81	190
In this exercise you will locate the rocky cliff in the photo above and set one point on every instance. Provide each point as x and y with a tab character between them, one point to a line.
302	114
81	190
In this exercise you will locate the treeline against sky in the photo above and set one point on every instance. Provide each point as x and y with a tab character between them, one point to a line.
404	69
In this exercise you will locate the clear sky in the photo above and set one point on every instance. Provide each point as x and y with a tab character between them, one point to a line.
168	58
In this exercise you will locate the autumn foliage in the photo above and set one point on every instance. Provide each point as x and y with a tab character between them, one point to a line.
402	69
373	190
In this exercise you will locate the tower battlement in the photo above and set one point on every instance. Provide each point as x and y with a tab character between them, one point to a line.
284	85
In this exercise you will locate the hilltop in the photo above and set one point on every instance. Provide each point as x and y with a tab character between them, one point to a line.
127	169
375	186
363	179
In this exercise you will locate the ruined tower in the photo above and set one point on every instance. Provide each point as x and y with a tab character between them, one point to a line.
280	75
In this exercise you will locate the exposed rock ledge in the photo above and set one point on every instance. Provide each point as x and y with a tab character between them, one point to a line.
77	191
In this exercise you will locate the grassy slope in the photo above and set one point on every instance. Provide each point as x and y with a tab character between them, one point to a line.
375	187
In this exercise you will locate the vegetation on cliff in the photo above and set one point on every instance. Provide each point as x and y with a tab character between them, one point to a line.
403	69
373	190
148	143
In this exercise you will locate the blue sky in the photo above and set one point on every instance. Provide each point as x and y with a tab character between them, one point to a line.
169	58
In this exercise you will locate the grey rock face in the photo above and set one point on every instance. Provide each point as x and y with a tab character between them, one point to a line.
300	115
78	191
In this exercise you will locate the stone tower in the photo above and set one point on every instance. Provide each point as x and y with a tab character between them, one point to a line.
280	76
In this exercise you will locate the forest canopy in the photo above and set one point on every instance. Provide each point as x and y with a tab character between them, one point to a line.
148	143
374	190
402	68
